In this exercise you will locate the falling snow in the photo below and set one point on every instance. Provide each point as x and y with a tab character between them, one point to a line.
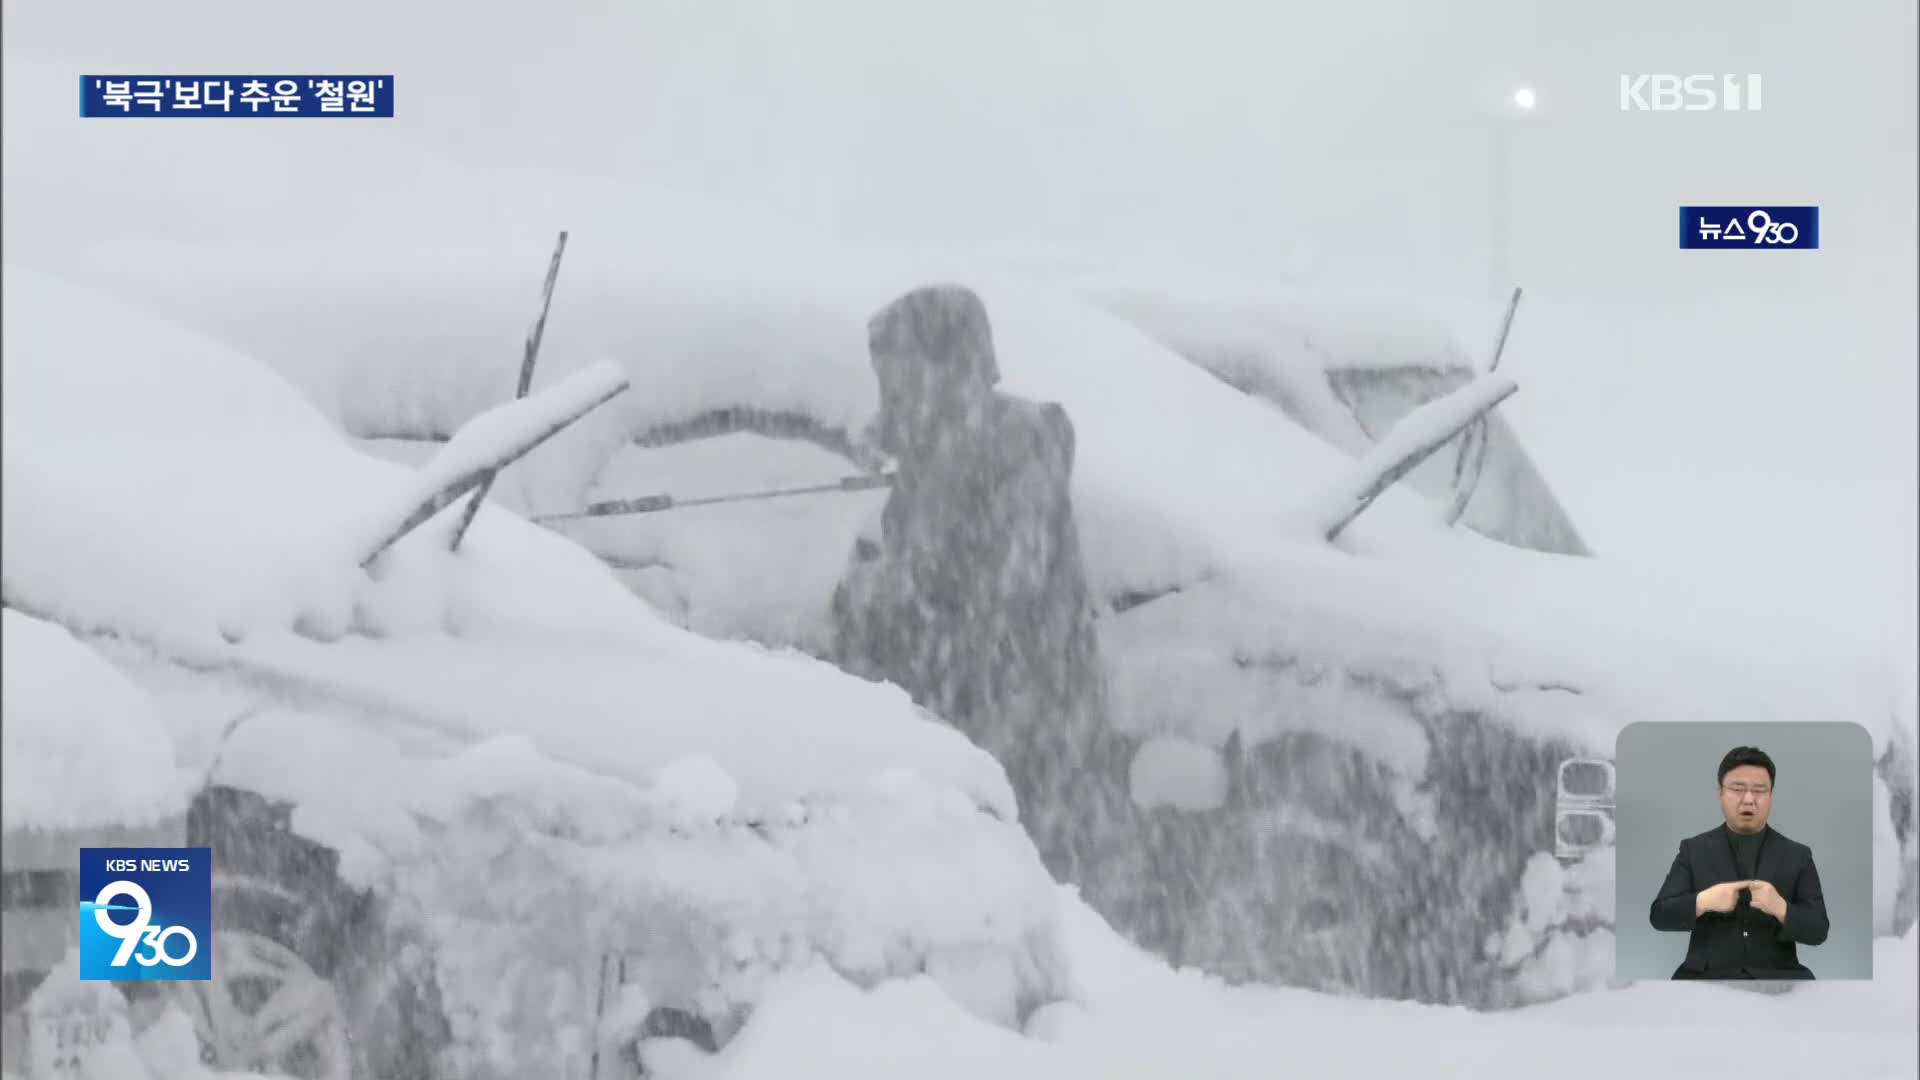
1076	750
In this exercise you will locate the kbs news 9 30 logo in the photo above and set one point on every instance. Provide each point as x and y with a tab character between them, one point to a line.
146	913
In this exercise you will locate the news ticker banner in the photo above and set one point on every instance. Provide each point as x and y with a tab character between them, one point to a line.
236	95
146	913
1750	228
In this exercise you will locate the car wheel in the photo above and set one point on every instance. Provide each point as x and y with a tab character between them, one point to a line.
267	1010
313	978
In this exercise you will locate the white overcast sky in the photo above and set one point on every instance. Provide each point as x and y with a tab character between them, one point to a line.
1749	415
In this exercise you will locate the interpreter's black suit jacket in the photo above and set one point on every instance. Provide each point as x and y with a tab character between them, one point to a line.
1745	943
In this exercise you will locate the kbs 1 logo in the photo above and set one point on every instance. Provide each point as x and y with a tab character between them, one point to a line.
146	913
1689	93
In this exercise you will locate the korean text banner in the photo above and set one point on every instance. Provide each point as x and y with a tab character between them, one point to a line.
236	95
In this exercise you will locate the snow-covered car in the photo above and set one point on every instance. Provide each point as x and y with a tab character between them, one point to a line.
476	812
1348	369
307	983
1336	737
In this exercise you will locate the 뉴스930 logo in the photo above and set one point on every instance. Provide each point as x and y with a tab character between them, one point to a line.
1689	93
145	913
1776	228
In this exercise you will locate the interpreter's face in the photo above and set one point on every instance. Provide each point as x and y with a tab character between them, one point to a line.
1746	795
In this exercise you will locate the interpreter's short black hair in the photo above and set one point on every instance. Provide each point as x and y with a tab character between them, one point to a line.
1745	755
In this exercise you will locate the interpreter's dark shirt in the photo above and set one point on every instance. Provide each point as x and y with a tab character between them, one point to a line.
1746	861
1746	852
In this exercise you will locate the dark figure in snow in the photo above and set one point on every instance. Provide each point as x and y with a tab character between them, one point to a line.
973	599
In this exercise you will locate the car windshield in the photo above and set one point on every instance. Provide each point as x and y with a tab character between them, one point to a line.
1512	502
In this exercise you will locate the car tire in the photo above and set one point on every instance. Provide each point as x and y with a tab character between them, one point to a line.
313	978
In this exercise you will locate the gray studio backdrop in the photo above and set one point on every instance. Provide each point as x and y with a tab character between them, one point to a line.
1823	797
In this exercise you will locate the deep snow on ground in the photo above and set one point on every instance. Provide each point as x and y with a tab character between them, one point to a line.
1135	1017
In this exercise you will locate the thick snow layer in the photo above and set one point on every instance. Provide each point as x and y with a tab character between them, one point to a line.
575	725
1137	1019
782	725
1277	327
490	440
1134	1017
1175	472
711	840
161	485
702	320
1558	938
1574	658
704	919
1279	341
83	746
1178	773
